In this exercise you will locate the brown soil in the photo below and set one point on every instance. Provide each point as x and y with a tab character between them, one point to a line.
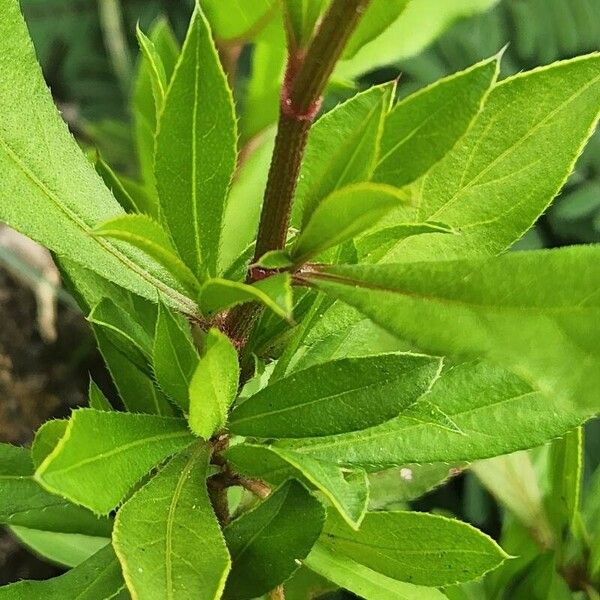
37	381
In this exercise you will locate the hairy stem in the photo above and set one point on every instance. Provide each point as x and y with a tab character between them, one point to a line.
306	76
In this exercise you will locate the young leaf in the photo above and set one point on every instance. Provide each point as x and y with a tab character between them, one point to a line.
419	548
346	489
97	399
492	308
343	215
362	580
565	471
301	18
523	145
514	483
158	77
46	438
496	411
275	259
24	503
342	149
98	578
68	549
375	246
266	543
417	27
145	109
421	129
167	537
47	182
214	384
147	235
124	331
262	99
275	292
174	357
379	15
100	447
115	185
242	213
336	397
239	19
196	150
136	388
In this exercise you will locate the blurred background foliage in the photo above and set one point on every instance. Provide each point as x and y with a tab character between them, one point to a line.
89	55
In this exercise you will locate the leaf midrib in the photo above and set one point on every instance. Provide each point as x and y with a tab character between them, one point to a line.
184	304
113	452
337	395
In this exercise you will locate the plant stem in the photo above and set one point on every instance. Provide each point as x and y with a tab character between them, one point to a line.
111	21
305	79
306	76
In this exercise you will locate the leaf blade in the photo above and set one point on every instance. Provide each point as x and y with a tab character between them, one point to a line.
202	155
336	397
124	445
173	505
214	384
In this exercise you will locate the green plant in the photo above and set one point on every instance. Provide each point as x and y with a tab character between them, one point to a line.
275	371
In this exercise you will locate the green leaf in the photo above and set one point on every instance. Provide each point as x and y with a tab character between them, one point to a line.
275	259
97	399
343	215
124	331
503	174
158	77
47	182
145	110
419	548
167	537
513	481
214	385
242	214
98	578
262	99
68	549
235	20
46	438
266	542
339	331
336	397
416	28
421	129
362	580
196	150
275	292
142	232
565	472
346	489
375	246
136	388
496	412
100	447
391	489
301	19
379	15
342	148
174	356
24	503
492	308
115	185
